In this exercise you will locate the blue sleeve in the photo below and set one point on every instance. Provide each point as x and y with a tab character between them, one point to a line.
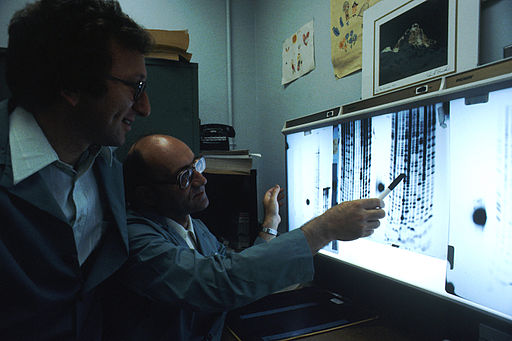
164	272
259	240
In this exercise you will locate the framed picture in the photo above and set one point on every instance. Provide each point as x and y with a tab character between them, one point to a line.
408	42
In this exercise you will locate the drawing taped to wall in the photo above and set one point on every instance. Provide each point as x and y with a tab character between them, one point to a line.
347	35
298	54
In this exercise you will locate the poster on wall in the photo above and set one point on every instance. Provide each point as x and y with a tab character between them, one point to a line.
298	54
347	34
415	41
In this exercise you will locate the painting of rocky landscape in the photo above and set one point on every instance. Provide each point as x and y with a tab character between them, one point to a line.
414	42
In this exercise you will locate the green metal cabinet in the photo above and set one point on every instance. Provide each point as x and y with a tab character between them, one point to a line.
173	92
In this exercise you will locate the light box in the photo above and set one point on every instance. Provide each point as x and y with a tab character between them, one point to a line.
448	225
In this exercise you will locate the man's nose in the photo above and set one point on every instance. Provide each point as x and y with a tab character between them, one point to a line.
199	177
142	106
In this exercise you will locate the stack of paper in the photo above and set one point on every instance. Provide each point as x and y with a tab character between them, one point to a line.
228	161
171	45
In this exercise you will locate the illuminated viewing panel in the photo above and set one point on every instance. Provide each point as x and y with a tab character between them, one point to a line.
448	224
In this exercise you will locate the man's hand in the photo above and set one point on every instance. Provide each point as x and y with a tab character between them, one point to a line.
272	200
347	221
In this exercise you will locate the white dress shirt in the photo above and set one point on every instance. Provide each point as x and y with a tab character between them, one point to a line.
186	232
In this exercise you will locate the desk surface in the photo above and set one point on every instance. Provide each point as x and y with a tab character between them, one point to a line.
382	329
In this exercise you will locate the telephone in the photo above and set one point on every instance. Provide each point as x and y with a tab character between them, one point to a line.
216	129
215	136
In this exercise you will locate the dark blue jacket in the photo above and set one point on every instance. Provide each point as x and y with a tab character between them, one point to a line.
44	293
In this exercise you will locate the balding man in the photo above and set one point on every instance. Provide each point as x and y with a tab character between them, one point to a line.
179	279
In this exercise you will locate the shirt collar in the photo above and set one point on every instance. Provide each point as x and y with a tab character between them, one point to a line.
173	223
180	229
107	153
30	149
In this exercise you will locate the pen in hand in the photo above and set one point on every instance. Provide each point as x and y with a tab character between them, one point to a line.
391	186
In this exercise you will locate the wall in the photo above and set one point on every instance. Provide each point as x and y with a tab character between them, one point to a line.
258	28
495	29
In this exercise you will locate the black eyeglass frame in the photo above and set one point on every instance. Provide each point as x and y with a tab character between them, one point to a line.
139	86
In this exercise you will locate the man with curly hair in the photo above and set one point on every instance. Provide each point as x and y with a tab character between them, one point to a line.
77	76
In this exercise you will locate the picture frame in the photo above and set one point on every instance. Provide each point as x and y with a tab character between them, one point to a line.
409	42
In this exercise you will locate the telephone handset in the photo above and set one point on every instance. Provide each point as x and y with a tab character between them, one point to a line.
215	136
216	129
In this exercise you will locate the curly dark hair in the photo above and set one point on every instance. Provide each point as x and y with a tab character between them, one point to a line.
59	45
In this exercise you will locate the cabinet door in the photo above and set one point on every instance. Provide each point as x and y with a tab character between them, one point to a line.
173	94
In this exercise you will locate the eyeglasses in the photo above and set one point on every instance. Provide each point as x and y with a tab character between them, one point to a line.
184	177
139	86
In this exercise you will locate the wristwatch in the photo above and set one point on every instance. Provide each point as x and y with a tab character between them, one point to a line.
269	231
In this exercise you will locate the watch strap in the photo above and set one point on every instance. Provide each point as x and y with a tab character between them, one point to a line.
269	231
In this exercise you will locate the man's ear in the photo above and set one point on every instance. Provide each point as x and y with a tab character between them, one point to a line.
146	196
71	97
